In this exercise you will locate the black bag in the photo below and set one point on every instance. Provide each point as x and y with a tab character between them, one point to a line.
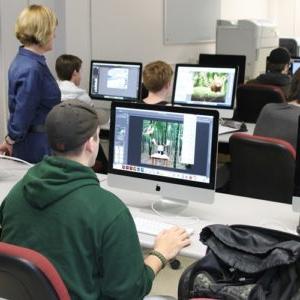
244	262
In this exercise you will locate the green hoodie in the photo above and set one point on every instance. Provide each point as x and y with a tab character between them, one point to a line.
60	210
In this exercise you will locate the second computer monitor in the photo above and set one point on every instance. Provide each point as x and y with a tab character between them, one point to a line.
295	65
111	80
228	60
205	87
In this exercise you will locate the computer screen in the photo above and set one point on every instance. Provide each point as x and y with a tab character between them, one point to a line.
205	87
296	197
164	150
228	60
295	64
111	80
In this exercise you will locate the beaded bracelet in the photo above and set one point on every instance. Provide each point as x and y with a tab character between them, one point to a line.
160	257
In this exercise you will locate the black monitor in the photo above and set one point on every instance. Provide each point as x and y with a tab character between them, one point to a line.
294	65
296	196
112	80
164	150
226	60
205	87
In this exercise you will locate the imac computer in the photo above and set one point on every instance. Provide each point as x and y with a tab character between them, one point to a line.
164	150
205	87
111	80
225	60
296	196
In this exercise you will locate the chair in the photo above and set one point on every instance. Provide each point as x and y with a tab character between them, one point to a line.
144	92
261	167
184	285
289	44
251	98
27	275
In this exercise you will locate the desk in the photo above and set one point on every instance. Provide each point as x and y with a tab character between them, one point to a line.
227	209
224	138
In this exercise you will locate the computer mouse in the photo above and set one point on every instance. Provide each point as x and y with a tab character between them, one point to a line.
243	127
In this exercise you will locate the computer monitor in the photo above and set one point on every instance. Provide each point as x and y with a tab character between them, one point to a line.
226	60
164	150
205	87
296	197
111	80
294	65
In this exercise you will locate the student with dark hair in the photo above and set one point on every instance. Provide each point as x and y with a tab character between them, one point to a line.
277	70
32	90
157	80
280	120
68	70
60	210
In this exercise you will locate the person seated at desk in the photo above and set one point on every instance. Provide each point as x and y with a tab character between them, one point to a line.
280	120
157	80
60	210
277	70
68	70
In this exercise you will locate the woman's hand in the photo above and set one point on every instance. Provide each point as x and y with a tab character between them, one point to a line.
6	149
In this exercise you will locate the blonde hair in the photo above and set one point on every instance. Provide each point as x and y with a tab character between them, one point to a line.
156	75
35	25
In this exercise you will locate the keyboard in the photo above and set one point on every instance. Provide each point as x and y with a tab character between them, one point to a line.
226	129
154	227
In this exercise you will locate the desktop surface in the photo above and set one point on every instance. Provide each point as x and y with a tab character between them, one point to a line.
227	209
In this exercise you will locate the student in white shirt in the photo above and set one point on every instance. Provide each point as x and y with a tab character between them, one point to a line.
68	68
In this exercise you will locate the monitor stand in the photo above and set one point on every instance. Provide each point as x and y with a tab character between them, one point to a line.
169	207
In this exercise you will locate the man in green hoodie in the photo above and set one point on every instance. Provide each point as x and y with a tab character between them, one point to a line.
60	210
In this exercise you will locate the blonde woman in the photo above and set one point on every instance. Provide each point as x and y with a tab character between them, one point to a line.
32	89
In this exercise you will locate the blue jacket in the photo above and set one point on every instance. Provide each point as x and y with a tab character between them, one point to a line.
32	92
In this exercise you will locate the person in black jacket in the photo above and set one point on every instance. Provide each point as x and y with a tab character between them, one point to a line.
277	70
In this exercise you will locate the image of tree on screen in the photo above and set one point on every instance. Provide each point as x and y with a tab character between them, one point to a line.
162	144
209	86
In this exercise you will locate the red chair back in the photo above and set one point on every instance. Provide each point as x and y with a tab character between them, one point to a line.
262	167
251	98
26	274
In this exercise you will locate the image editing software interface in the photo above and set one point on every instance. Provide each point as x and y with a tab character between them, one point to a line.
171	144
212	87
225	60
115	80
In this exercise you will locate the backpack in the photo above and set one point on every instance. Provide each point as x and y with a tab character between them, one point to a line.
244	263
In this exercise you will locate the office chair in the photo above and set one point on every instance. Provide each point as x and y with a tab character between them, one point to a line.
185	284
144	92
262	167
251	98
289	44
27	275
